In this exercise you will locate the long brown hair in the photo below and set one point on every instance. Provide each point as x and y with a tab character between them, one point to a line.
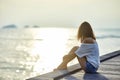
85	31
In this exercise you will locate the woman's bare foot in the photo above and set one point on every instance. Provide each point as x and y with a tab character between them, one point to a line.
62	66
59	69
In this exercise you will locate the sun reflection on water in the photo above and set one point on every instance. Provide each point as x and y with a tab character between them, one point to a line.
50	45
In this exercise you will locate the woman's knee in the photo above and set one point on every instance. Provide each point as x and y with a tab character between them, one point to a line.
72	51
75	47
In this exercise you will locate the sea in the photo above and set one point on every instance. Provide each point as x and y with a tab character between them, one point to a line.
29	52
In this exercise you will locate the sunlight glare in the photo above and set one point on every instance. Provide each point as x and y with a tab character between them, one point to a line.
50	45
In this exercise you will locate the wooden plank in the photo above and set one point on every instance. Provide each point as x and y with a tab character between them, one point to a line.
105	72
73	69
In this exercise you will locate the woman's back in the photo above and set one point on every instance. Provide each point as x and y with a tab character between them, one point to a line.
89	48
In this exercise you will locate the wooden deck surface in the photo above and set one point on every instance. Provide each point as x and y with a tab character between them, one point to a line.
109	70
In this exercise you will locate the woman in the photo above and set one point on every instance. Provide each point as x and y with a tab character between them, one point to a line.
88	52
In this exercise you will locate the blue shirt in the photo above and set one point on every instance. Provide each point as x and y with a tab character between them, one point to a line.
91	52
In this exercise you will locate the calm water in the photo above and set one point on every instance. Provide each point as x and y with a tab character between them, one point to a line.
29	52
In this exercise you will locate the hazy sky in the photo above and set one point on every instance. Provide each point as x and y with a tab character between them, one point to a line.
60	13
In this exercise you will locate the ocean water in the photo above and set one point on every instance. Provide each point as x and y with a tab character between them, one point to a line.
29	52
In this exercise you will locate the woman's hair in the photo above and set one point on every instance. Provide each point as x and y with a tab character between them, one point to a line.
85	31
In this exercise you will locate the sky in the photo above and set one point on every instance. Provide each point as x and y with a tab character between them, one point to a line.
60	13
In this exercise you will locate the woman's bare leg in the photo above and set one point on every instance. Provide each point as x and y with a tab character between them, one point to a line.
82	62
67	58
71	55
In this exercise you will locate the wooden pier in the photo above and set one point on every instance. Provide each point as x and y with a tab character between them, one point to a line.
109	70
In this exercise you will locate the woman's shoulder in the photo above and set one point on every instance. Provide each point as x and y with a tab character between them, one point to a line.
89	40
